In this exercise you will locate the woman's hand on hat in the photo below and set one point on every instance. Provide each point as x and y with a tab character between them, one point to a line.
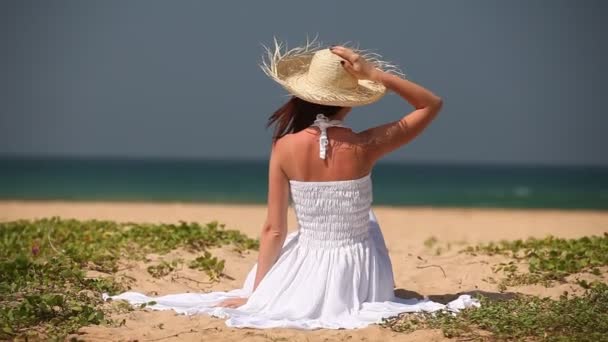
356	65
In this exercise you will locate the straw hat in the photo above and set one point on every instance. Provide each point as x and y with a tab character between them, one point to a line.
316	75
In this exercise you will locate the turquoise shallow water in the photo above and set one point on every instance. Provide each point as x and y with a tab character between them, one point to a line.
246	182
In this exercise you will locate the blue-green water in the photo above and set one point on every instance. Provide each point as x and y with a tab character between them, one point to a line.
246	182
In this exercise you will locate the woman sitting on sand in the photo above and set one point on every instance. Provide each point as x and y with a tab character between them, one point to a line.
334	271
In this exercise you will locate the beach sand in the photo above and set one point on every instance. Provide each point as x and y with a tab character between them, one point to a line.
419	270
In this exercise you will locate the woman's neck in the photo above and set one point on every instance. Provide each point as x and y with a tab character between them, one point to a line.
339	116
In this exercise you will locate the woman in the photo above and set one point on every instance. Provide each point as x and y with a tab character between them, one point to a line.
334	272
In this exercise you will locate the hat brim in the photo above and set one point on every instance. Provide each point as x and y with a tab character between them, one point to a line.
365	93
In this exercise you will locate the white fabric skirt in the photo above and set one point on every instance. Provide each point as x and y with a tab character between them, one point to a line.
346	287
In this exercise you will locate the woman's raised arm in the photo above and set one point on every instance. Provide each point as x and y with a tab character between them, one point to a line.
380	140
383	139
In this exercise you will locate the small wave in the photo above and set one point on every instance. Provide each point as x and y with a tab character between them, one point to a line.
522	191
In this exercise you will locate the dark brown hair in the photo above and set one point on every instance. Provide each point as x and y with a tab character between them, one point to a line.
296	115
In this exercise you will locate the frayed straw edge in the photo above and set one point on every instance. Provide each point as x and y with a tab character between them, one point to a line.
273	55
280	51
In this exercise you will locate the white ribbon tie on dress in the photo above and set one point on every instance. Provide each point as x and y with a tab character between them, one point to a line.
323	123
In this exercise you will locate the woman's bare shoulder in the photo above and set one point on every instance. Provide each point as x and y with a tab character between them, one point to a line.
281	144
303	135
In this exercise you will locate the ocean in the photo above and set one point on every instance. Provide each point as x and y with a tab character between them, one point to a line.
238	181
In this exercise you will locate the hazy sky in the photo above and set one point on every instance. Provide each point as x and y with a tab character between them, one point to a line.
522	81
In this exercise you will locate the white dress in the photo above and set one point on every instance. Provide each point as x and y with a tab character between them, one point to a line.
333	272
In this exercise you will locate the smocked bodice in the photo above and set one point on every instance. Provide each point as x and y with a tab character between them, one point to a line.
332	214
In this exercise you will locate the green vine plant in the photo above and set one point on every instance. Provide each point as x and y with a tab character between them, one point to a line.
548	260
524	317
44	290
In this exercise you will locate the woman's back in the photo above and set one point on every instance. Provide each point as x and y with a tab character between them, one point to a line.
345	157
330	184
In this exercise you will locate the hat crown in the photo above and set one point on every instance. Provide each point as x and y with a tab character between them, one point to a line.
326	70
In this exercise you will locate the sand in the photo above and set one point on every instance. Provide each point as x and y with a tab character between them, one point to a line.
419	270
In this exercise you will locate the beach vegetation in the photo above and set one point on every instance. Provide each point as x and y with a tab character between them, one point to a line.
522	318
548	260
53	272
164	268
46	291
544	261
209	264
